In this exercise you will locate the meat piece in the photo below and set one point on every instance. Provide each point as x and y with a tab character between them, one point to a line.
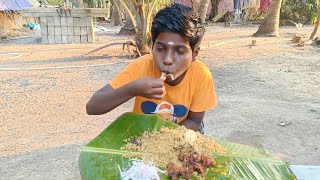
175	178
200	169
207	161
170	76
172	171
163	76
181	157
173	174
196	157
136	141
170	167
191	162
182	171
188	174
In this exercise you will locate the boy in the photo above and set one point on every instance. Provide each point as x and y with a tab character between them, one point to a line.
170	82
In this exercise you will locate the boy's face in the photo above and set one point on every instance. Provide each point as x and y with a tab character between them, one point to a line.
172	53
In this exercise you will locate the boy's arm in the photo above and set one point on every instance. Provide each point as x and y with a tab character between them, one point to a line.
193	120
104	100
108	98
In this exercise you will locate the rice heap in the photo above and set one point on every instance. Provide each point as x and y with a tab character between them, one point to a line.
165	145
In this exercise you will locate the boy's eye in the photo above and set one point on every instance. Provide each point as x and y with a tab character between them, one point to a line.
180	51
159	48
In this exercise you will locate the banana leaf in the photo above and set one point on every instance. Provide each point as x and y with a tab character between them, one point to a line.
102	157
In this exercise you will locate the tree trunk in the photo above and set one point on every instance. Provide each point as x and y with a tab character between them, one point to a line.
214	8
203	10
270	24
116	18
128	28
317	24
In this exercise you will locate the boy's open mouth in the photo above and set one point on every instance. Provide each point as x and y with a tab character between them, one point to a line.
166	75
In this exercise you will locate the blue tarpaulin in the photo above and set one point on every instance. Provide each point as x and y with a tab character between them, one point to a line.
14	5
306	172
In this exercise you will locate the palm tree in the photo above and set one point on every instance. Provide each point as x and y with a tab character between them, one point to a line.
203	10
141	14
270	24
317	23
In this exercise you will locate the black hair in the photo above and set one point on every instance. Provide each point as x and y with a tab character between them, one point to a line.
180	19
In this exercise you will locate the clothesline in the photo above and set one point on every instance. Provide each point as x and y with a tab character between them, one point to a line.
239	5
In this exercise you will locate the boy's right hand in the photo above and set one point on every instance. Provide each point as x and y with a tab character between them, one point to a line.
150	88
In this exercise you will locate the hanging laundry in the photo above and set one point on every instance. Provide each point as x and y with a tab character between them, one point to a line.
236	4
241	4
245	4
258	3
264	5
225	6
253	3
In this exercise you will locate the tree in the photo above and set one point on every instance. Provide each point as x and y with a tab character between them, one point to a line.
116	14
214	8
141	14
203	10
270	24
317	23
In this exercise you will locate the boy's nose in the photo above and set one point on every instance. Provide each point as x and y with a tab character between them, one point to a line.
168	60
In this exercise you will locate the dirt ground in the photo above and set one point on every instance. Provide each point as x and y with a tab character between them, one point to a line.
269	97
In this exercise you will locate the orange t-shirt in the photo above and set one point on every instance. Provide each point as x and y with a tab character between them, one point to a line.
195	92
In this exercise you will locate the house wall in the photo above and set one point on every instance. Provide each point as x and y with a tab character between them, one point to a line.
66	29
12	21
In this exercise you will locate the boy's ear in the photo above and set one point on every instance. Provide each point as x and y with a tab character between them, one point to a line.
195	54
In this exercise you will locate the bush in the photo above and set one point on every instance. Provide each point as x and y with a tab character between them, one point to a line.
302	11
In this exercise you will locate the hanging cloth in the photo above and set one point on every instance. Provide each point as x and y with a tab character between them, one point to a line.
264	5
236	4
252	3
246	4
225	6
241	4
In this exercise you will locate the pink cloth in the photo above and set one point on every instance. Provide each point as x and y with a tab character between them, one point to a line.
264	5
225	6
189	4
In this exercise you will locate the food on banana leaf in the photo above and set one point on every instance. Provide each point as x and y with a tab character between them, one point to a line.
192	162
101	157
165	146
139	170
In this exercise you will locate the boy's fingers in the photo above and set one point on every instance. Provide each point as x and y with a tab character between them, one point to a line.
158	83
158	91
157	96
163	76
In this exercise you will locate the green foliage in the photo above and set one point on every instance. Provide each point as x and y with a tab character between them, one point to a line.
141	13
303	11
55	2
93	3
61	2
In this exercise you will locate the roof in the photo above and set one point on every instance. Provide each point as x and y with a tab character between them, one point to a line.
14	5
34	3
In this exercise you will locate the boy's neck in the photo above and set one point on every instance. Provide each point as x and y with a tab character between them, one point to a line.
177	80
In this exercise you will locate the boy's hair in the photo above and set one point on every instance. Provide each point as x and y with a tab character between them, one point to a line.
180	19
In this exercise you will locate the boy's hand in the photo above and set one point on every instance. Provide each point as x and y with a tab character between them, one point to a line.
150	88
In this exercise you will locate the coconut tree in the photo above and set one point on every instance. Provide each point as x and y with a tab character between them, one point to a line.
141	14
317	23
270	24
203	10
214	8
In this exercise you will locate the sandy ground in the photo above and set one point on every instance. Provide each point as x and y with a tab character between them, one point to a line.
269	97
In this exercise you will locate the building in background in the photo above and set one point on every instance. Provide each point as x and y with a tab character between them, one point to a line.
10	15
